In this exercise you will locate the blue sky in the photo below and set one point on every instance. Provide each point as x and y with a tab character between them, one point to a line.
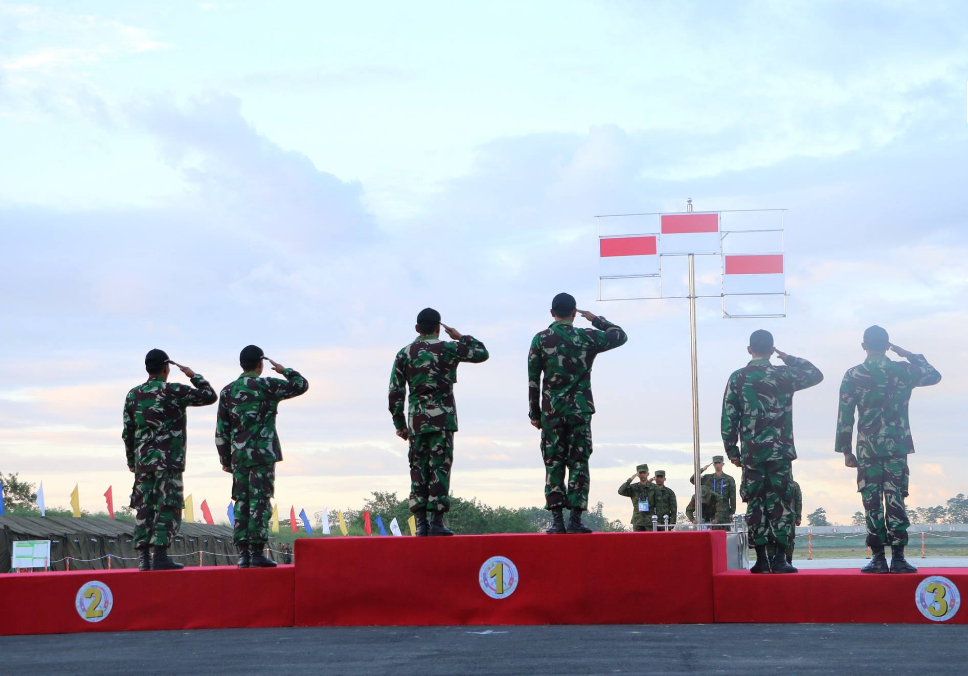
307	177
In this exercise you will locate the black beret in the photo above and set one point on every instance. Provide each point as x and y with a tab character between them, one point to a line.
155	360
251	354
563	304
428	316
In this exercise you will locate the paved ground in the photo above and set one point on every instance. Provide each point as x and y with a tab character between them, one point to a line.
774	650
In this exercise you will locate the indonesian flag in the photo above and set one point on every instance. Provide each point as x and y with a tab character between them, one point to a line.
690	233
753	273
629	256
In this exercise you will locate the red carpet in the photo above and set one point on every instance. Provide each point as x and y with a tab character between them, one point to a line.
602	578
194	598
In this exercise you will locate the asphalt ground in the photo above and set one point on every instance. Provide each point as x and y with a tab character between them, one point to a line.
750	650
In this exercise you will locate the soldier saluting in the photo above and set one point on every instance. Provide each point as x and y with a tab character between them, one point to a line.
758	411
248	447
428	366
643	498
665	502
561	405
154	442
879	390
724	486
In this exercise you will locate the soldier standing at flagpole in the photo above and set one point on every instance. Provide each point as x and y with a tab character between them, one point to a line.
879	390
561	404
248	448
724	486
154	442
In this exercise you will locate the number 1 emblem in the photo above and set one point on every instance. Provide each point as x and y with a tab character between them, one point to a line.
498	577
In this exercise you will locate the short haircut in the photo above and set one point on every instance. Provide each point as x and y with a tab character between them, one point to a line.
761	342
426	328
155	369
876	339
563	304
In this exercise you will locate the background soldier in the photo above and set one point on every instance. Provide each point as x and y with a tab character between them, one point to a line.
758	409
880	389
428	366
722	485
798	515
665	501
154	441
249	448
643	498
562	407
710	502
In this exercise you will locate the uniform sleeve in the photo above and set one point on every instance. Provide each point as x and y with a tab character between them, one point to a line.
691	509
675	507
845	415
609	335
625	490
293	386
398	390
127	431
731	496
223	432
534	380
468	349
732	410
921	373
798	375
200	394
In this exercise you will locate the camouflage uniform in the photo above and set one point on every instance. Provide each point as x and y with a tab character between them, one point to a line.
710	503
758	409
880	389
725	488
154	442
642	495
665	505
563	403
428	366
248	446
798	516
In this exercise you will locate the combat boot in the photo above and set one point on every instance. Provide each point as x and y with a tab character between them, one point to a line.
422	526
575	525
245	559
144	559
898	563
762	564
557	522
437	526
258	559
878	562
779	563
161	561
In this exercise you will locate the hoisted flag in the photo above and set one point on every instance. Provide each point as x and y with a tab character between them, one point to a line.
189	510
753	274
292	519
342	523
76	503
231	513
40	499
305	520
207	513
274	519
395	527
412	522
379	524
326	521
367	528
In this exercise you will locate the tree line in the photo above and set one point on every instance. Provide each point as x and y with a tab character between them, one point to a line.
955	510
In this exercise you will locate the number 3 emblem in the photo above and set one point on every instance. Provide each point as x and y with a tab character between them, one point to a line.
937	598
94	601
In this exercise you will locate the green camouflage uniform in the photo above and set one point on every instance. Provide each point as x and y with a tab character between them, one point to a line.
665	505
248	446
880	389
154	442
642	495
725	488
758	409
710	503
428	366
564	406
798	516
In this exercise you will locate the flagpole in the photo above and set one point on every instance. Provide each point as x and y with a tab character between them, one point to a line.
695	381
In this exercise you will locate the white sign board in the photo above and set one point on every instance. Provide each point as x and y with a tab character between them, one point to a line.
31	554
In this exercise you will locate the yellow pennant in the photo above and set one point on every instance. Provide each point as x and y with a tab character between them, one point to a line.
189	510
76	503
275	518
412	522
342	523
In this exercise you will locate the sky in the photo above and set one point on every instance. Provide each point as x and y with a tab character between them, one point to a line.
308	176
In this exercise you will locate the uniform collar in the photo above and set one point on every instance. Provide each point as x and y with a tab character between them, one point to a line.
759	362
154	379
561	322
429	338
876	359
249	374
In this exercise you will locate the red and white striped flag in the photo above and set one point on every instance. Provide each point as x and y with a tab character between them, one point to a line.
628	256
690	233
753	273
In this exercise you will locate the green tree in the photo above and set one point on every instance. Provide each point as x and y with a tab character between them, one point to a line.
18	495
596	520
818	517
957	509
858	519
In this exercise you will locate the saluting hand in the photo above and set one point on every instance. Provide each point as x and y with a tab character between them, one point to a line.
277	367
900	351
588	315
850	459
781	354
452	332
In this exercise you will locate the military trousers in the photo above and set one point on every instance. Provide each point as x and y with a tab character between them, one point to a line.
431	457
252	491
158	500
883	485
767	488
566	444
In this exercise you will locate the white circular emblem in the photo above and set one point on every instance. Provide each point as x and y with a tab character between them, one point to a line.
937	598
94	601
498	577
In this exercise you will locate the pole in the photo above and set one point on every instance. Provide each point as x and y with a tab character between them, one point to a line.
695	386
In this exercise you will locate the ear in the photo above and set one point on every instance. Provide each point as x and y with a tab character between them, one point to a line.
416	328
863	346
750	350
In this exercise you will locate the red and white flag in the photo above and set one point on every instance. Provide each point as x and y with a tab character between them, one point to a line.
629	255
753	273
690	233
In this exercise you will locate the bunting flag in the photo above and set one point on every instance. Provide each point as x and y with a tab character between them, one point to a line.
207	513
305	520
379	524
628	256
412	522
342	523
76	503
231	513
292	520
753	274
2	508
696	233
109	496
326	521
189	510
274	519
40	500
395	527
367	528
